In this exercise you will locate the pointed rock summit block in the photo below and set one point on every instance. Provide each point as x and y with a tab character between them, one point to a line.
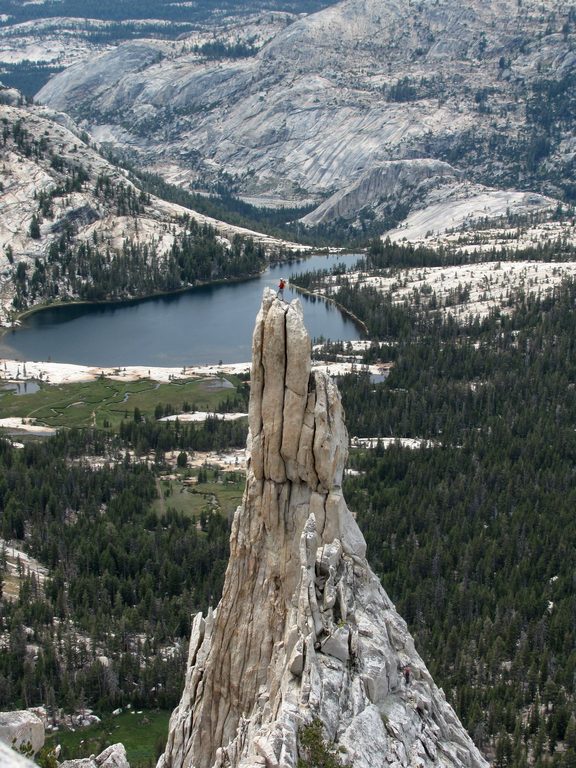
304	631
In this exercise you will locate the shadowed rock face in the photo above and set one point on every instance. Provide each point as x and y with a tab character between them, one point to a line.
304	628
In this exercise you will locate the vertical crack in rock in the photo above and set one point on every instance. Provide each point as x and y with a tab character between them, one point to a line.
304	629
273	356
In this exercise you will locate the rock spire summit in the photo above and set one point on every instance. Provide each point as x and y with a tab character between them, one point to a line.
304	630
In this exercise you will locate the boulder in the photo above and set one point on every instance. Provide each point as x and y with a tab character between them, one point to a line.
11	759
113	756
22	727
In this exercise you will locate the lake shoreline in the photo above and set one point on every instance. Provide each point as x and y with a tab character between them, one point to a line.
201	324
355	319
17	319
121	302
16	322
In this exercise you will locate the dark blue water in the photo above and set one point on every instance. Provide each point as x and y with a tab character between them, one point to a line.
204	325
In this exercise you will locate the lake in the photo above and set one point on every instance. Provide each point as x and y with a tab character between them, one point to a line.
204	325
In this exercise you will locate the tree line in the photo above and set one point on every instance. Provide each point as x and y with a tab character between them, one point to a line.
88	271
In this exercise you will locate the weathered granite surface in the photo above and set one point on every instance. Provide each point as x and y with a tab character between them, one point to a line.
11	759
334	97
113	756
22	727
304	629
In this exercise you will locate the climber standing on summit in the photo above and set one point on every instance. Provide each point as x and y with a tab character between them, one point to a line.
281	286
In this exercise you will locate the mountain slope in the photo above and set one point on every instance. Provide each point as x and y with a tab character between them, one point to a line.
341	92
73	225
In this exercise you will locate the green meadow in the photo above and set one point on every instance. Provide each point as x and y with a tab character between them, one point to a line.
105	402
215	491
142	733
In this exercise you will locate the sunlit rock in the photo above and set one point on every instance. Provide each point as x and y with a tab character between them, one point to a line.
304	630
20	728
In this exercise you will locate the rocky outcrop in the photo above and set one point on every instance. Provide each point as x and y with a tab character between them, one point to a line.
304	630
113	756
20	728
396	182
434	192
11	759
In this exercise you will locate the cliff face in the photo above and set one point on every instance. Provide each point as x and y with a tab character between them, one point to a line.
304	629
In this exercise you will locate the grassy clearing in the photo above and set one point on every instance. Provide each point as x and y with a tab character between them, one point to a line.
219	492
104	402
227	494
10	586
142	733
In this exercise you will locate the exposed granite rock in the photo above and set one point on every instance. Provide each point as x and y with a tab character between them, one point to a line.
304	629
113	756
438	196
11	759
337	94
390	184
21	727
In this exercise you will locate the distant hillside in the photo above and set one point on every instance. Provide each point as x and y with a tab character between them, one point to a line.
376	107
40	38
74	226
122	10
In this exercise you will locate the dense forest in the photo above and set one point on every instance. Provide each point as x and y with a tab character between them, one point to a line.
474	538
124	579
90	272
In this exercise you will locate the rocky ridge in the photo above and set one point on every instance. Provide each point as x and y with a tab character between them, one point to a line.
334	97
113	756
304	630
11	759
54	180
427	190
